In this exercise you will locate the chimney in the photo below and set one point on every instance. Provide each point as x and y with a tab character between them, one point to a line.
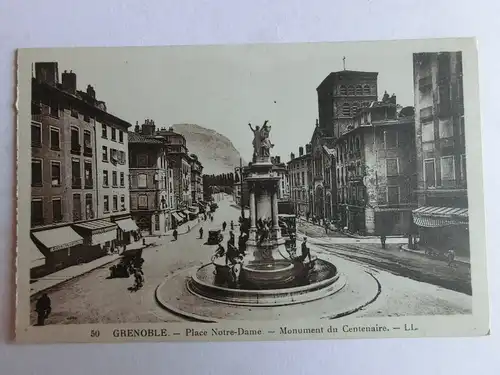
292	156
317	122
278	159
308	148
148	128
90	91
301	151
137	128
69	82
47	72
171	129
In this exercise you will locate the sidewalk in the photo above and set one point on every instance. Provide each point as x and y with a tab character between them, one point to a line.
53	279
459	259
69	273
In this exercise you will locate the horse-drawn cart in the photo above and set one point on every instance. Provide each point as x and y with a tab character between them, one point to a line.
131	259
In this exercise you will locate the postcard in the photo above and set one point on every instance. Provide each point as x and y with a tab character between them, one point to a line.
250	192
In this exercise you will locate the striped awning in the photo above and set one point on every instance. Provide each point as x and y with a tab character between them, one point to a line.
177	216
435	217
96	226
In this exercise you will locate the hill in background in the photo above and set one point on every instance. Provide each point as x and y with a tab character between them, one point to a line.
215	151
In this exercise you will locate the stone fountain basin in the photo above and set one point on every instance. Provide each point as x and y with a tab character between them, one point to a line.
201	284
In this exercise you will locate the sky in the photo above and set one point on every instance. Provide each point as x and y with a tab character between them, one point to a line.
226	87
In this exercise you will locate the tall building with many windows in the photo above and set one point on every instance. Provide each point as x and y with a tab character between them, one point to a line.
442	213
67	226
299	181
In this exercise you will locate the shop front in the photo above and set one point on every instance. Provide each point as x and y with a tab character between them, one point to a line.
443	228
128	232
61	247
99	235
178	219
193	212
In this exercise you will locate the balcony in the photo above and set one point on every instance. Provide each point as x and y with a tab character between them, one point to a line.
444	185
76	149
76	182
426	114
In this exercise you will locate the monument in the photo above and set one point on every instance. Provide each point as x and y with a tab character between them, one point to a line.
266	261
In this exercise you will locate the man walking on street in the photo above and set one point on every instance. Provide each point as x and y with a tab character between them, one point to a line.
201	232
382	240
306	253
175	233
224	225
43	309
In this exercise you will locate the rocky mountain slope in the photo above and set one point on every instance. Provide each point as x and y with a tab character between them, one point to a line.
215	151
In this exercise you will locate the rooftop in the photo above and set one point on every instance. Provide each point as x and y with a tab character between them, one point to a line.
139	138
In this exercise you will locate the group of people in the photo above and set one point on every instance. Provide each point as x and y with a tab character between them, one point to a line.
232	253
263	229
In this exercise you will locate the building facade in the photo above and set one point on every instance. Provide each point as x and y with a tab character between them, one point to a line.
375	170
299	180
149	181
281	171
442	213
67	226
196	179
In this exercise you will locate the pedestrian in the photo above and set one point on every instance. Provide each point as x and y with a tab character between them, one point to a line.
43	309
242	243
232	225
306	253
450	256
382	240
224	225
201	232
175	233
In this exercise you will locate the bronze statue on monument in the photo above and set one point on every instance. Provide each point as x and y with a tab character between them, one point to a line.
261	142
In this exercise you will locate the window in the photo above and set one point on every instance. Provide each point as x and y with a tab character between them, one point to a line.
113	155
142	181
104	131
428	132
113	134
122	179
36	135
343	90
105	179
122	158
89	210
350	90
87	143
76	177
36	172
366	90
120	136
444	99
106	203
56	210
445	128
447	168
355	107
115	202
54	108
55	167
114	179
36	212
54	139
75	140
346	109
390	139
463	167
87	169
122	203
392	167
393	194
359	90
430	173
104	153
77	207
143	201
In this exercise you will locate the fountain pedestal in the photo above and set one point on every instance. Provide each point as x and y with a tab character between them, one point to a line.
266	261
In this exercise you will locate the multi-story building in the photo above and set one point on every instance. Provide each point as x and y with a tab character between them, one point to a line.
196	179
180	162
281	171
299	181
67	226
149	180
375	170
322	187
442	213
